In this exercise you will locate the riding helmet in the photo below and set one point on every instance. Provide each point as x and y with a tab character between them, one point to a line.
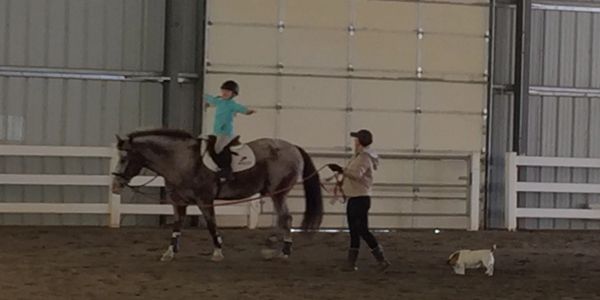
231	85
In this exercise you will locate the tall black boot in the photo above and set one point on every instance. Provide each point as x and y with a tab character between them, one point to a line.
352	258
381	260
224	162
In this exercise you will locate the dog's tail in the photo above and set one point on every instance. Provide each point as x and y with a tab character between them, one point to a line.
493	248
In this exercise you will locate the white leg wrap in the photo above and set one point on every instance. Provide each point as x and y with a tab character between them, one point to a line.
218	255
168	255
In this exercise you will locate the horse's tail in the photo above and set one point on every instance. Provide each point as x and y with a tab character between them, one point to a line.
312	191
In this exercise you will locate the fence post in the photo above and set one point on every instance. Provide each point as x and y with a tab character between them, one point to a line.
253	213
114	201
510	183
475	174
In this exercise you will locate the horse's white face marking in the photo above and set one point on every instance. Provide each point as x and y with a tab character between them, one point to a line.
122	162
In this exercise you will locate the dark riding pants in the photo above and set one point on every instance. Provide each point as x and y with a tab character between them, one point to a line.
358	220
224	160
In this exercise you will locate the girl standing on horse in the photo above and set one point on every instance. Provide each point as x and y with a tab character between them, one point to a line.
227	109
357	186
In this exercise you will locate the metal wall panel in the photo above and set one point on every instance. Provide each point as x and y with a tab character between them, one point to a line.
563	56
94	35
91	34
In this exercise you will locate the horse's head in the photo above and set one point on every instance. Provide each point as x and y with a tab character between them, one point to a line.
130	164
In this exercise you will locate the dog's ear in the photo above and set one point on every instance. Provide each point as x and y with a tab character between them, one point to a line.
453	258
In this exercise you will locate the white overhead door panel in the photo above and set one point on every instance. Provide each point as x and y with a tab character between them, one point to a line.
315	50
440	132
263	12
236	46
411	72
386	15
312	92
452	97
392	130
316	13
453	56
446	18
316	129
375	51
383	95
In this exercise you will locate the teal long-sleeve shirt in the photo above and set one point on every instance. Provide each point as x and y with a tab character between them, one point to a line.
226	111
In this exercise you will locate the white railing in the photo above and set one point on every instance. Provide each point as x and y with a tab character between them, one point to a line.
114	208
514	187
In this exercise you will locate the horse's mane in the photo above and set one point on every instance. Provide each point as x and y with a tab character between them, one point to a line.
164	132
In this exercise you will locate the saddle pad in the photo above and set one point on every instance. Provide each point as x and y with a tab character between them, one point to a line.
243	159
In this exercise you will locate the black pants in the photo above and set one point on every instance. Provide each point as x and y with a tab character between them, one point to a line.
224	160
358	220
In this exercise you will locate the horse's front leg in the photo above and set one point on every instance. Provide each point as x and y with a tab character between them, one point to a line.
208	211
179	212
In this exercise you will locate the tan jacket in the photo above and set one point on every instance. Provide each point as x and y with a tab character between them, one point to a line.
358	174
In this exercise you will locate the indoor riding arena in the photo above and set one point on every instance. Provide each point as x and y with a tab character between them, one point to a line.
299	149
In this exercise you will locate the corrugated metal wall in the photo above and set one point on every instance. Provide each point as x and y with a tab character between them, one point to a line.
563	111
92	37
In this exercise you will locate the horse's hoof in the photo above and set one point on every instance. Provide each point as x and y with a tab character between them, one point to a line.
168	256
283	256
217	256
268	254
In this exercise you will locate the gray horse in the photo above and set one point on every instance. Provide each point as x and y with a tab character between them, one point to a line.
177	157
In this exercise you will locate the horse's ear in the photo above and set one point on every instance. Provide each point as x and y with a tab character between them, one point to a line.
122	144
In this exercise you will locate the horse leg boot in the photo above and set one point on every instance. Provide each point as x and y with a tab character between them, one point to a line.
174	247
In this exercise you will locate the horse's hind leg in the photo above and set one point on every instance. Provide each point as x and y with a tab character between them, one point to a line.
179	212
284	222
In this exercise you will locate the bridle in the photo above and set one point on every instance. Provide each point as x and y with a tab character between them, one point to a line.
124	179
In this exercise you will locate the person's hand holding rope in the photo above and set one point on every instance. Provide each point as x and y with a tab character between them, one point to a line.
336	168
339	179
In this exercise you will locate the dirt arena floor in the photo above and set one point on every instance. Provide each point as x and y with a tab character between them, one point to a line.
99	263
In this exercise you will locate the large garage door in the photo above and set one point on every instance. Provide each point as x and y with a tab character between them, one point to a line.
414	73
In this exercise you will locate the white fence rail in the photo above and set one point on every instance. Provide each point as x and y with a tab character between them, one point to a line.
514	187
114	208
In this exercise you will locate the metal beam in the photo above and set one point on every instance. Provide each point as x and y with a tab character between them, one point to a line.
83	74
564	92
522	53
588	7
181	63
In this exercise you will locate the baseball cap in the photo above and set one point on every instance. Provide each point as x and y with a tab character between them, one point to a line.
364	137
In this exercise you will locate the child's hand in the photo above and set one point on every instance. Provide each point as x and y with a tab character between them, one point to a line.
250	112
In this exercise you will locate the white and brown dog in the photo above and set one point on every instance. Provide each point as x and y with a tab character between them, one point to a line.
472	259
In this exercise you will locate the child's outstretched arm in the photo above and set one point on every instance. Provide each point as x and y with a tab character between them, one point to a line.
239	108
211	100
